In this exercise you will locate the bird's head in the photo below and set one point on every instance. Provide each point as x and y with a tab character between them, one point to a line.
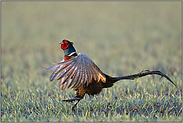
67	46
64	44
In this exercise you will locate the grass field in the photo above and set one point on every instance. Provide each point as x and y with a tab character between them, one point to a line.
120	37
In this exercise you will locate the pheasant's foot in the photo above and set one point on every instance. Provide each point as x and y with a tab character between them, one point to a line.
70	100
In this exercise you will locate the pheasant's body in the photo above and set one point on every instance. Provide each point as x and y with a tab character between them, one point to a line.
94	87
79	72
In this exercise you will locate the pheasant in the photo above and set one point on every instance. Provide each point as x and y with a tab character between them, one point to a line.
78	71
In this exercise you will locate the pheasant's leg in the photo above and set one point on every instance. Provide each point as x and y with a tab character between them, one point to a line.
80	92
70	100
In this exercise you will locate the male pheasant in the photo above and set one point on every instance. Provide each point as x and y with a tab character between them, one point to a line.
78	71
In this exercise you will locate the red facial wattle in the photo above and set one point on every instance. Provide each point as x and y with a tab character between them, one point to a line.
64	46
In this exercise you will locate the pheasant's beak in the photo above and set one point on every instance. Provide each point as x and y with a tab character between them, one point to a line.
61	42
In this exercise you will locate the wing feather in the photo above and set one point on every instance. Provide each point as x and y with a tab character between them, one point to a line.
70	74
88	72
95	73
75	77
67	71
66	65
84	73
83	78
87	75
76	72
51	68
80	81
92	72
77	80
59	69
55	74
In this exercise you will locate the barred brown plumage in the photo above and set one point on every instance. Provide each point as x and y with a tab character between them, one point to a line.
77	66
78	71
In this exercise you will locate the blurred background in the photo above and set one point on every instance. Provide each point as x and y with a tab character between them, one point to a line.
120	37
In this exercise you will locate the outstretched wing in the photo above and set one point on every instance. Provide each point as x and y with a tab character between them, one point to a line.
76	72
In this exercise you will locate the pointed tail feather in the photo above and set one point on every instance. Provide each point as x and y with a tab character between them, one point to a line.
144	73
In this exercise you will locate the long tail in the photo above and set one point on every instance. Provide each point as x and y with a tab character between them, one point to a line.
144	73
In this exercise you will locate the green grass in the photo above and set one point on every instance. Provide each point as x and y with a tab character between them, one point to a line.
120	37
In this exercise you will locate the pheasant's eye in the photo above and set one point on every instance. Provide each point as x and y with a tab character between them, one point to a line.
65	41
